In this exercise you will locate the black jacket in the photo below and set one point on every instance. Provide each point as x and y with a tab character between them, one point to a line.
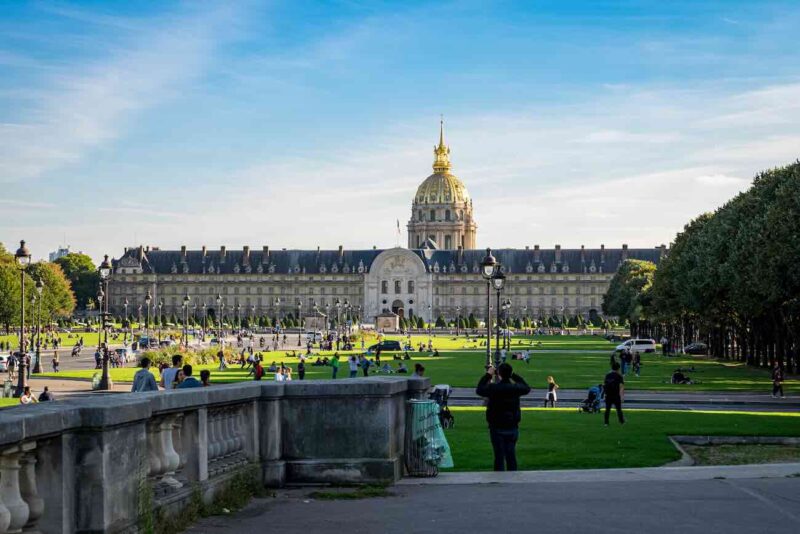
503	411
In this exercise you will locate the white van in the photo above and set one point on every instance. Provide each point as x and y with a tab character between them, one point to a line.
314	337
638	345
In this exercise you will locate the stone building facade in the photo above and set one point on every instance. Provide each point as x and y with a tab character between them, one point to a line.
425	279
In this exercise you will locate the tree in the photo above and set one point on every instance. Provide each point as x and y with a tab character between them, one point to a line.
440	322
58	299
473	322
82	275
627	294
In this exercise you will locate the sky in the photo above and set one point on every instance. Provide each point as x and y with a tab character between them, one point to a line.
299	124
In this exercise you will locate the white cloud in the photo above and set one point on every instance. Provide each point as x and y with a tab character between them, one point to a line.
87	106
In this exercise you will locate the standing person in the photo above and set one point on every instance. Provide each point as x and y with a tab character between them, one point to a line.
221	357
624	359
777	381
335	364
144	380
301	368
365	363
503	413
551	395
664	345
168	374
637	363
353	363
55	361
614	387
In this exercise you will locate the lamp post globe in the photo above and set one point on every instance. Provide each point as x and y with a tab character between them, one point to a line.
489	267
37	366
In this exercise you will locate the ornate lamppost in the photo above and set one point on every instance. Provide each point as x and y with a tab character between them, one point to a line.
219	317
104	271
507	333
23	260
160	318
125	321
299	321
186	300
37	367
238	315
147	299
498	281
458	318
489	267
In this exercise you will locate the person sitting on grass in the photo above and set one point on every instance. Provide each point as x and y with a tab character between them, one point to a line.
679	378
402	369
386	368
272	368
189	381
406	356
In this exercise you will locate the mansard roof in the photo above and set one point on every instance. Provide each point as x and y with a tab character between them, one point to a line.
549	261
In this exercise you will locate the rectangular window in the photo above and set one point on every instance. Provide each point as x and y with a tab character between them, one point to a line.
410	286
384	287
397	287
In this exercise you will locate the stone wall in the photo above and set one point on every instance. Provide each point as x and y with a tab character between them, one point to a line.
88	465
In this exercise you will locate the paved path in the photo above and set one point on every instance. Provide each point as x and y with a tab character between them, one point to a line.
657	400
742	502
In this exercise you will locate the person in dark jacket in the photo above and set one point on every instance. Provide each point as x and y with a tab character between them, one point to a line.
503	413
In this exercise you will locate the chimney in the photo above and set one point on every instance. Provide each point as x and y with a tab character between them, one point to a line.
245	255
126	250
662	251
222	254
536	254
527	247
341	251
558	253
374	247
583	254
265	254
183	252
624	251
602	253
460	254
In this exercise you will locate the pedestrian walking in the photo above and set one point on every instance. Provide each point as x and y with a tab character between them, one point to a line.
353	363
301	368
222	363
55	361
503	413
777	381
614	388
551	396
637	363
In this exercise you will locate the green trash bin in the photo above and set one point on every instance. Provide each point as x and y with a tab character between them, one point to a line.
426	447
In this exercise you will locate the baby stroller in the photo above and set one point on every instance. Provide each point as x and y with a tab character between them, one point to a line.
591	404
440	394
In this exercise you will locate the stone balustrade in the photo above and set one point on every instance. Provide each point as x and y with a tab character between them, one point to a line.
90	464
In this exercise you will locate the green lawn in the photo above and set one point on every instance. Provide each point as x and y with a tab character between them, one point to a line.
566	439
572	368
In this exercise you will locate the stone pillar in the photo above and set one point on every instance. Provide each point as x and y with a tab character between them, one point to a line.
269	435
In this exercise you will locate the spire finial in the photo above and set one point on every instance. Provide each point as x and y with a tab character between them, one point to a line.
441	162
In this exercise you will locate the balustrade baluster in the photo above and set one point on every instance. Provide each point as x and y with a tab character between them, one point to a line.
29	490
10	491
170	458
154	450
5	515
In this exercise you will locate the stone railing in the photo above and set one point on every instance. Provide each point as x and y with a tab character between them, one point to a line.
91	464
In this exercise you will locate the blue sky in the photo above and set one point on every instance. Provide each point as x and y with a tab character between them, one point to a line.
298	124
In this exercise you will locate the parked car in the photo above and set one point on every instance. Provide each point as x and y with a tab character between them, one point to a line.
314	337
696	348
214	341
125	354
638	345
386	345
166	343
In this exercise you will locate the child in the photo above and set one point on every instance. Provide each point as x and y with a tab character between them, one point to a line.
551	396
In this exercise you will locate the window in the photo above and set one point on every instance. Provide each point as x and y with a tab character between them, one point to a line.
410	286
421	216
397	287
433	215
384	287
448	241
446	215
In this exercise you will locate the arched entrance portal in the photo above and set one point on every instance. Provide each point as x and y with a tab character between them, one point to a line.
397	307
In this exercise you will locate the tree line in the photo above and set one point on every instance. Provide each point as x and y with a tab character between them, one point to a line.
731	278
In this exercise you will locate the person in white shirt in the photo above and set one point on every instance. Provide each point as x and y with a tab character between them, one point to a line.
279	375
168	375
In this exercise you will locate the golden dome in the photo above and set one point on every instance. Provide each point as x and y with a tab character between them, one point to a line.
441	187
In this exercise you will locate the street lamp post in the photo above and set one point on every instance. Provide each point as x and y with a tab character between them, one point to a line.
104	271
126	321
299	322
160	319
506	315
37	367
147	299
498	281
186	300
458	318
23	259
238	315
489	266
219	317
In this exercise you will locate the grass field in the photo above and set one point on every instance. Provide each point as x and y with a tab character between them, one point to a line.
576	362
566	439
